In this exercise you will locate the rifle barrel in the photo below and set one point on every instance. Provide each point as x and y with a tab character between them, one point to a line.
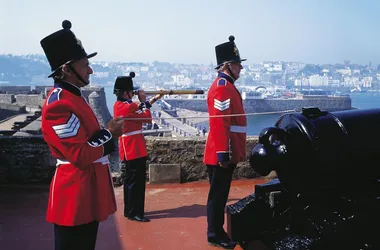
174	92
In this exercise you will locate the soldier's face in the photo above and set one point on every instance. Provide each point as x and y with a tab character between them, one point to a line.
235	68
82	67
128	94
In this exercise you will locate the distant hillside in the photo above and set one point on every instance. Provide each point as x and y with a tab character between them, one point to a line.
34	70
19	70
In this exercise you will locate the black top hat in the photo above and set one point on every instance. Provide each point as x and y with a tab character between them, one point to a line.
63	47
124	83
227	52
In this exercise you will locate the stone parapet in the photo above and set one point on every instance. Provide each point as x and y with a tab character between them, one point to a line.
32	101
7	98
22	89
25	160
28	159
164	173
13	107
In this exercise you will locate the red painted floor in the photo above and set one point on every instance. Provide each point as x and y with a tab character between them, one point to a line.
177	213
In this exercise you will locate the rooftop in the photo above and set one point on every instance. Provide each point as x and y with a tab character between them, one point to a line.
177	213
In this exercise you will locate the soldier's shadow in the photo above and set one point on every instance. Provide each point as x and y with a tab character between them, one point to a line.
191	211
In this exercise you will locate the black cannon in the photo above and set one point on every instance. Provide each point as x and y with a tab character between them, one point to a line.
327	194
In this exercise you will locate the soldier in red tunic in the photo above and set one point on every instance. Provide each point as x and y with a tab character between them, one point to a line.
81	192
132	147
226	141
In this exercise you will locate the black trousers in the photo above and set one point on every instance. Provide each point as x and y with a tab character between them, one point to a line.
134	187
220	183
81	237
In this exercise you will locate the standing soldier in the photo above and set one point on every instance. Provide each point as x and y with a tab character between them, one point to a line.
81	192
132	147
226	141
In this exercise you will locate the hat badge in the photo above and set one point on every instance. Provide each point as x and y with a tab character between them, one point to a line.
79	43
236	51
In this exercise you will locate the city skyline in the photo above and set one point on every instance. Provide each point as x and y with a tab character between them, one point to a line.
319	32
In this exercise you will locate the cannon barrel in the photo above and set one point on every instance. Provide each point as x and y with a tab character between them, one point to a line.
327	194
314	149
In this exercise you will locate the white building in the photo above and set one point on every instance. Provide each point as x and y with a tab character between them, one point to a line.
304	82
344	71
366	82
144	69
182	80
317	80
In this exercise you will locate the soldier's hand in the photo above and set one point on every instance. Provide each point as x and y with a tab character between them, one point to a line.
141	95
115	126
158	96
224	164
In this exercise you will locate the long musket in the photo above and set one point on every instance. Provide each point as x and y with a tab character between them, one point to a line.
173	92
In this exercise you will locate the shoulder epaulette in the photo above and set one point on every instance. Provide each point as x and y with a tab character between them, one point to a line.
222	82
54	96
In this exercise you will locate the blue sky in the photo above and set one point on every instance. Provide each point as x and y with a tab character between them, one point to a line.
186	31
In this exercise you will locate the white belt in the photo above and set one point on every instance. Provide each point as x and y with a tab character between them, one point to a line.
104	160
132	133
238	129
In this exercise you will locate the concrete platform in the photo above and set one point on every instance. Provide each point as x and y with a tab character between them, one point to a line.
177	125
33	126
8	123
177	213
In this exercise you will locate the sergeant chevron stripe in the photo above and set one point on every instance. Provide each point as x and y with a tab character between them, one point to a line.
68	129
221	105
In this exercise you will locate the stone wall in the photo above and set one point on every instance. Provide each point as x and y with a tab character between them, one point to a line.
28	159
30	101
25	160
21	89
13	107
27	102
7	98
97	100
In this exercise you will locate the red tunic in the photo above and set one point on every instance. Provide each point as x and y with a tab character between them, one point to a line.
132	143
82	189
227	136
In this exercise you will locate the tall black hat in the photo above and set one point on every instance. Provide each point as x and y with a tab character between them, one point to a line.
227	52
63	47
124	83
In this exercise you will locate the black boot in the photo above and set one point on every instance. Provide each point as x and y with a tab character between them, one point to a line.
125	189
139	218
222	243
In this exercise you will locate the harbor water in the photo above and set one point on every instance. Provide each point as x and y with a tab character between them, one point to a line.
257	122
